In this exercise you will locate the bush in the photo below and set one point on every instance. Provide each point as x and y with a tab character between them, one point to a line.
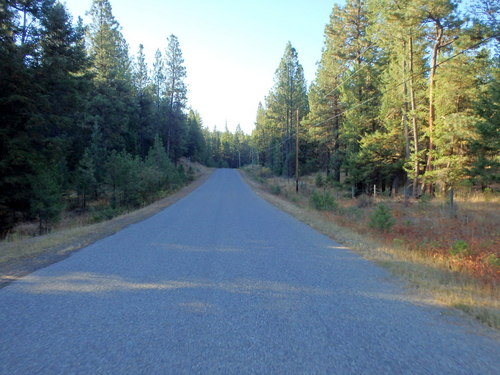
493	260
323	201
265	172
320	182
354	213
460	248
103	213
275	189
382	219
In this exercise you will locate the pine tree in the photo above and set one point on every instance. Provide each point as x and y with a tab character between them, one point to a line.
288	95
175	96
85	180
400	35
440	16
195	145
485	168
144	94
47	201
112	105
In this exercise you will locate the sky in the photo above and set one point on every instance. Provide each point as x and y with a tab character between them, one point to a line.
231	48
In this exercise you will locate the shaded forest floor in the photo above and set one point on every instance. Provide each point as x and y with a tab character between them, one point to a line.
23	255
448	259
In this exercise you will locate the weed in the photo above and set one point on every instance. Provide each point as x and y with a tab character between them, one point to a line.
323	201
364	201
382	219
424	202
460	248
398	242
492	260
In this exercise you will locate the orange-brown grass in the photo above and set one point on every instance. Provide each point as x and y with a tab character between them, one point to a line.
429	228
419	246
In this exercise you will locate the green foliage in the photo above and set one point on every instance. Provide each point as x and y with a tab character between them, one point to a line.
354	212
85	181
319	181
381	219
275	189
102	213
493	260
277	120
323	201
460	248
71	95
47	197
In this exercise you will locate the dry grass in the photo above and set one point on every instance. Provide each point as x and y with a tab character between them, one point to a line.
417	248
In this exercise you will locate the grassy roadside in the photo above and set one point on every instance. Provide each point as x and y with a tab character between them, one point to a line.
23	256
431	279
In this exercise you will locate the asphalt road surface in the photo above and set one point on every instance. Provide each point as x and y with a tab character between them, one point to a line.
224	283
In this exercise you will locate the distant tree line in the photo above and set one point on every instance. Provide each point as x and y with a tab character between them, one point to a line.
82	120
406	97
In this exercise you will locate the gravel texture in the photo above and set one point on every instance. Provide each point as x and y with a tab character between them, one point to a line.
222	282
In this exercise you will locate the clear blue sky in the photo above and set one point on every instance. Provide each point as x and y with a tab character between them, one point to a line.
231	48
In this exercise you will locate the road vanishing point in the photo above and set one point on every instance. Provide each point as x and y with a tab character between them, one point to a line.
222	282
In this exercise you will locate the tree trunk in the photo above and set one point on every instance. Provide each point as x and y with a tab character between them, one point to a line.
416	169
432	108
404	117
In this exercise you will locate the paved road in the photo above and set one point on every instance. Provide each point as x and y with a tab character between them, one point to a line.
223	283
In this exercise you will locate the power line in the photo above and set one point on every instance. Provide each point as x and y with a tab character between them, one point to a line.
405	81
387	90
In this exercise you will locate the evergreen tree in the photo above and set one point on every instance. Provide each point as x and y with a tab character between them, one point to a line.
288	96
144	96
112	102
195	145
85	180
485	168
400	35
175	96
47	196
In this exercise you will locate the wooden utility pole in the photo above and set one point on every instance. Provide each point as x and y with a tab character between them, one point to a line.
297	155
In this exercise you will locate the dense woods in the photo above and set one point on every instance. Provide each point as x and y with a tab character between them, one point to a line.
405	98
82	120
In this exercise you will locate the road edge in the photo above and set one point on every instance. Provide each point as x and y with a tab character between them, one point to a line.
62	244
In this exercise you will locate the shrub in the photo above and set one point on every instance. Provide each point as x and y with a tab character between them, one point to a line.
275	189
190	174
492	260
382	219
320	182
354	213
323	201
398	242
460	248
102	213
265	172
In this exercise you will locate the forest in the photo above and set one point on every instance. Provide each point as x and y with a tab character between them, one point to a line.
405	99
84	120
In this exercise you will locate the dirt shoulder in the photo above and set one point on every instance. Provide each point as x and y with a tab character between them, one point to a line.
39	252
427	283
